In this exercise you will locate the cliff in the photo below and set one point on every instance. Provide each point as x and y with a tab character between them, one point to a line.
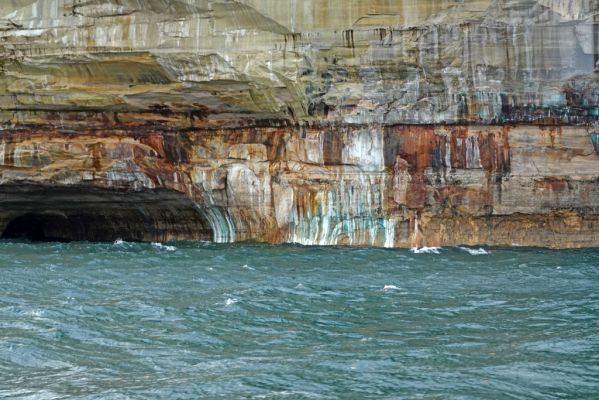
385	122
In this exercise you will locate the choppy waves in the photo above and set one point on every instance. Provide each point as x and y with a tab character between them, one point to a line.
134	320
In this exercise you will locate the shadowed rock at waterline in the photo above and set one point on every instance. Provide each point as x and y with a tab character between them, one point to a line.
52	213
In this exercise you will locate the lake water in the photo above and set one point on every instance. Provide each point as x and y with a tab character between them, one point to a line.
194	320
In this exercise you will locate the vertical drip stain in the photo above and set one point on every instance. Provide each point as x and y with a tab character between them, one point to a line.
221	223
351	214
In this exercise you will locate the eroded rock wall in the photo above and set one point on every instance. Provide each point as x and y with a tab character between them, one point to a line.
358	185
385	123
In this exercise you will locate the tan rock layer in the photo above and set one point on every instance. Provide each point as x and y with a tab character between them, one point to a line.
386	62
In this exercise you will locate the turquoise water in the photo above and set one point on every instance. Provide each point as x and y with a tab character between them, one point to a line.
199	320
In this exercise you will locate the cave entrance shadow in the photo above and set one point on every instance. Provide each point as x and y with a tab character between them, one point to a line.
38	227
83	213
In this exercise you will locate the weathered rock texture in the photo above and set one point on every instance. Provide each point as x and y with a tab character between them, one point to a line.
380	122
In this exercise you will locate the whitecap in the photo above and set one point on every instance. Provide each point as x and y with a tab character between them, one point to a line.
475	252
230	301
35	313
390	287
161	246
425	250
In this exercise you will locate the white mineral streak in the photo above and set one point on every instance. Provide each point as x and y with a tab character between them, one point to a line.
284	204
364	148
349	213
448	157
126	174
223	227
417	239
472	153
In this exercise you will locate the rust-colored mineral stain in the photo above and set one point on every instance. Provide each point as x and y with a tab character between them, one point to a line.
416	194
552	183
417	144
332	146
506	150
494	152
552	133
488	156
9	149
552	136
97	156
459	135
417	147
156	142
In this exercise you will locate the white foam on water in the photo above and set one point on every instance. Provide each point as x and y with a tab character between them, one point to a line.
425	250
475	252
390	287
35	313
230	301
245	266
161	246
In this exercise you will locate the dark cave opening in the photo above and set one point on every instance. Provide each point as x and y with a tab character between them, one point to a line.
83	213
37	227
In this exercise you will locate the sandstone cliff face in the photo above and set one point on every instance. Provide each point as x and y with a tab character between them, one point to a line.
386	123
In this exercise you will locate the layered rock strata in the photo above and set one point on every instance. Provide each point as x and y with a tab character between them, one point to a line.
384	123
